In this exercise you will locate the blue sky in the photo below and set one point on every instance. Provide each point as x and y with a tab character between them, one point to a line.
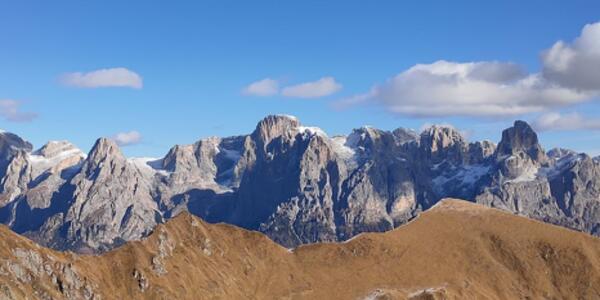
195	58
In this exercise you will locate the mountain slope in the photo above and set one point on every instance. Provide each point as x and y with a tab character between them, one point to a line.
456	250
294	183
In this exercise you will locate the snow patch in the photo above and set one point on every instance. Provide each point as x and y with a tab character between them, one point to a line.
287	116
354	138
345	150
149	165
465	175
561	165
233	155
311	131
529	174
40	162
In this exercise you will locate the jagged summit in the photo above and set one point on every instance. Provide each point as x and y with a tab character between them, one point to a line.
10	144
441	142
521	138
404	135
275	125
105	146
55	149
10	140
558	153
289	181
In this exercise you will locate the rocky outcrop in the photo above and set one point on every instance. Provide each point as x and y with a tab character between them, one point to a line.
111	200
292	182
10	144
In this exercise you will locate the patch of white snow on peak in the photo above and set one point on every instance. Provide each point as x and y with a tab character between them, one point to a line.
57	148
430	128
561	165
55	156
311	131
53	153
355	137
233	155
341	147
529	174
464	176
150	165
287	116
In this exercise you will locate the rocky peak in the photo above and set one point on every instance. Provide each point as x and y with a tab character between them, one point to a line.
440	136
207	149
365	137
54	148
520	139
104	150
54	157
440	142
480	150
188	157
403	135
274	126
558	153
10	144
17	175
180	157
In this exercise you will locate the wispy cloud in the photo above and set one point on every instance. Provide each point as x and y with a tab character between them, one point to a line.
315	89
127	138
114	77
565	122
263	88
323	87
570	75
10	111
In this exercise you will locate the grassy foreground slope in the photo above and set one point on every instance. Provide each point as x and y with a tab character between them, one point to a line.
456	250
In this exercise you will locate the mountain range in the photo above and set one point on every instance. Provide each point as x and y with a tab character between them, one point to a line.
292	182
455	250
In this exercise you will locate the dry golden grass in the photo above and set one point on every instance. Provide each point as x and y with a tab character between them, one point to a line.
456	250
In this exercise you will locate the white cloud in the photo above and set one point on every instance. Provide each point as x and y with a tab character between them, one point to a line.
315	89
265	87
570	74
127	138
115	77
575	65
446	88
10	111
572	121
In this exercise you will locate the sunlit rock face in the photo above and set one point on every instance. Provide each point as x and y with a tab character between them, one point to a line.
293	182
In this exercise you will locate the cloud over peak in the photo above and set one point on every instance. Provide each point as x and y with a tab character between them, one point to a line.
127	138
323	87
114	77
314	89
570	75
446	88
10	110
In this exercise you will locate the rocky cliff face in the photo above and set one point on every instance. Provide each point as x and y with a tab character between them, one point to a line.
292	182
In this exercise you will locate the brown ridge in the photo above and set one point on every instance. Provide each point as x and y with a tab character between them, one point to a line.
456	250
